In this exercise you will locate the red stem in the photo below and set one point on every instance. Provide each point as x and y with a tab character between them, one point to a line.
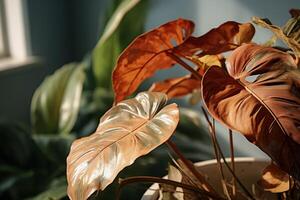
184	65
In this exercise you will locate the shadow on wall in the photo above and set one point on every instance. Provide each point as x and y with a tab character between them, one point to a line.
17	87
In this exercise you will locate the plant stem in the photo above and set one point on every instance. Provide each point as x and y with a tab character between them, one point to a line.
217	154
232	162
191	167
225	162
150	179
223	181
184	65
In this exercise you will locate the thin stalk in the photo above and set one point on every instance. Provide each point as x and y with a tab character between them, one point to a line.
217	153
184	65
225	162
150	179
232	162
225	189
192	168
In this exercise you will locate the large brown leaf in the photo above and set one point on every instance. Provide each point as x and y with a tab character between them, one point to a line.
259	96
127	131
147	54
218	40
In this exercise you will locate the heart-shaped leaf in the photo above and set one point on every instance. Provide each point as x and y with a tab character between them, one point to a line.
147	54
259	96
127	131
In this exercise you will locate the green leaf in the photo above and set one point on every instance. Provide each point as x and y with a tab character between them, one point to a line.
16	145
56	190
117	34
55	148
55	103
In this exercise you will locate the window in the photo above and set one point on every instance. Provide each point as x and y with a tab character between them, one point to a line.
14	41
3	36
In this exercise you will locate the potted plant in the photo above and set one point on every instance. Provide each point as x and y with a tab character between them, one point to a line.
254	90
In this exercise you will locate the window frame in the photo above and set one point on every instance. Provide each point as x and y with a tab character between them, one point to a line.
18	49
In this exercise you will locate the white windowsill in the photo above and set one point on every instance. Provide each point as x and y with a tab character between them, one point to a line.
7	64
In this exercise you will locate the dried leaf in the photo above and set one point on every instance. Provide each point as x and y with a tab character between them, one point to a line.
259	97
218	40
274	179
289	41
147	54
177	87
205	62
295	13
127	131
191	179
170	192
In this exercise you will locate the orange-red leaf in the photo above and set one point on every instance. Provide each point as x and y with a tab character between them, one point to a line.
130	129
259	96
177	87
147	54
223	38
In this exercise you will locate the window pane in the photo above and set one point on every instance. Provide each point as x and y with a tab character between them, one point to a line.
3	42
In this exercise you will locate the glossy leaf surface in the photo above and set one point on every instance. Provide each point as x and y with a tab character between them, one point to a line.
55	104
147	54
259	97
223	38
127	131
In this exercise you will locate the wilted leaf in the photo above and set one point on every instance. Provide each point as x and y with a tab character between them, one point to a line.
205	62
55	103
259	96
223	38
289	41
292	28
171	192
177	87
147	54
127	131
295	12
274	179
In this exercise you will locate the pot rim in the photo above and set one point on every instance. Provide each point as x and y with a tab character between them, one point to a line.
152	190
